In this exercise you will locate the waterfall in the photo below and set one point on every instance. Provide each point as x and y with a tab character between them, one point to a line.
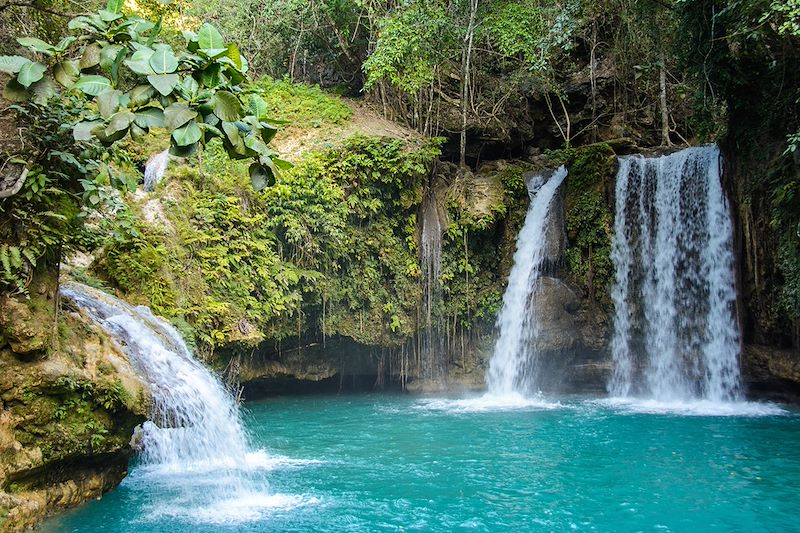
675	333
431	259
194	450
513	358
194	422
154	170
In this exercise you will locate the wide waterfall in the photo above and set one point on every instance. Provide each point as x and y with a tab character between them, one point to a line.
193	446
512	367
675	332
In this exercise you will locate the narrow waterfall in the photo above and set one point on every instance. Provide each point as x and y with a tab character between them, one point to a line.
194	422
675	333
154	170
431	259
510	369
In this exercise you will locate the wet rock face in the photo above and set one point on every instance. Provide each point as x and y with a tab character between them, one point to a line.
69	402
771	373
554	305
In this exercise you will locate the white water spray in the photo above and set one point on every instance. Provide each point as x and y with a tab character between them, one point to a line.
675	334
193	445
513	355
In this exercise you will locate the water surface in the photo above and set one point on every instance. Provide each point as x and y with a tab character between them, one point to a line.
398	463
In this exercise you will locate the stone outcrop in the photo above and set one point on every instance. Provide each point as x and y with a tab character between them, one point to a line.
69	402
771	373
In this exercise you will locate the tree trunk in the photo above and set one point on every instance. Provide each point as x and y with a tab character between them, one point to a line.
473	8
662	82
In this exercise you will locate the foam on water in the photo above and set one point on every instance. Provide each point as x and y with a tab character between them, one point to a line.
691	407
240	509
193	447
488	402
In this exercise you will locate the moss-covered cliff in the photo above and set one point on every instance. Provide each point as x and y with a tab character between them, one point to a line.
69	404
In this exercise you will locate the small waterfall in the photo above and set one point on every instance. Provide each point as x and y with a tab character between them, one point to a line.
431	259
154	170
194	450
513	357
675	333
194	422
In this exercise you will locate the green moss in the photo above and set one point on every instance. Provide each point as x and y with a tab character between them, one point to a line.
302	105
588	216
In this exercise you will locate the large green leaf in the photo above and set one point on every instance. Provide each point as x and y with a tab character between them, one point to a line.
137	133
12	64
209	37
188	134
211	76
234	54
189	88
30	73
108	102
90	57
114	6
163	61
182	151
93	84
257	145
83	130
227	106
268	131
37	45
150	117
261	176
164	83
64	43
177	115
258	107
120	121
15	92
66	72
108	54
108	16
141	95
43	90
234	138
139	62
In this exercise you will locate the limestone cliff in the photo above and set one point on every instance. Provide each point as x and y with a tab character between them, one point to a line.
69	401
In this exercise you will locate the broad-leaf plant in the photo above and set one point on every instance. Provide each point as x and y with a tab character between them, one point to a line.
130	81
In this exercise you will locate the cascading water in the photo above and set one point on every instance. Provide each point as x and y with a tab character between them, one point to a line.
431	259
154	170
193	446
675	333
513	355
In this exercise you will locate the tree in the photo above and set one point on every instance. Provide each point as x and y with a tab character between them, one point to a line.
116	77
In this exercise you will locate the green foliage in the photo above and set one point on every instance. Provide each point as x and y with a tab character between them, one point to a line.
301	105
532	31
240	265
412	43
588	215
132	81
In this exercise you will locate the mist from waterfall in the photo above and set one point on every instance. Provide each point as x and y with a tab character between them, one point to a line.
675	333
512	368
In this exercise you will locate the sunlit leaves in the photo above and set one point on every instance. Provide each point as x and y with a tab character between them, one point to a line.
12	64
92	84
30	73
